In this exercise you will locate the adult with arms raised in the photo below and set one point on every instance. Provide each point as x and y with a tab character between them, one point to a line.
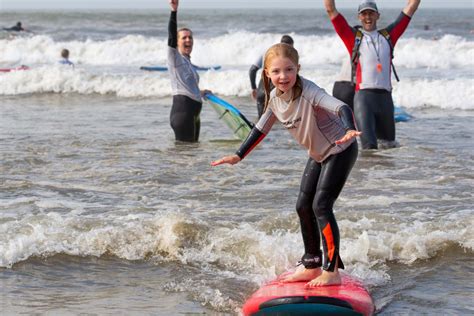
371	52
324	126
187	102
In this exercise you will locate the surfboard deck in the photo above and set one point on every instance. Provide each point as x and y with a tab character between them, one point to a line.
278	298
164	68
231	116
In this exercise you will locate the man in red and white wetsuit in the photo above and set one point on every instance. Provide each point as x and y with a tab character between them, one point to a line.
373	104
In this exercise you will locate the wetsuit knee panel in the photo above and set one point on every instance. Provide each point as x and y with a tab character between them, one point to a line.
323	203
304	206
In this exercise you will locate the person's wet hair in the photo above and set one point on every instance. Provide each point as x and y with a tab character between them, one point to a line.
287	39
65	53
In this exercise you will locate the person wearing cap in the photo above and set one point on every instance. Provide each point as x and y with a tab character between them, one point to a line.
373	104
258	93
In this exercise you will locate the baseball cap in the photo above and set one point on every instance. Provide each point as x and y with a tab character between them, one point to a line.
367	5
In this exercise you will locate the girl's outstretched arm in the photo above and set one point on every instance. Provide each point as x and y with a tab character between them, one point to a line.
253	139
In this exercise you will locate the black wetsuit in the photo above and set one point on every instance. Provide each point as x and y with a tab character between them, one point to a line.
16	28
320	186
187	105
184	118
373	110
344	91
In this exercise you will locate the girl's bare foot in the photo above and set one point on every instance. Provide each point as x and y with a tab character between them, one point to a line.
326	278
302	274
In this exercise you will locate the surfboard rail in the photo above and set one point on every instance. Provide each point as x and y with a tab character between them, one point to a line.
279	298
231	116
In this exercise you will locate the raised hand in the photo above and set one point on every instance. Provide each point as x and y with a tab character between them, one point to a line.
174	5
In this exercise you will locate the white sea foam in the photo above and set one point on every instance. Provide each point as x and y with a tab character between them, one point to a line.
436	71
238	48
443	93
240	248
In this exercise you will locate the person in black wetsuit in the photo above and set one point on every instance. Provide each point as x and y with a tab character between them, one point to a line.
325	126
258	93
16	28
344	88
187	102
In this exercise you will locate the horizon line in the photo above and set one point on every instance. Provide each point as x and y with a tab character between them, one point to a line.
216	8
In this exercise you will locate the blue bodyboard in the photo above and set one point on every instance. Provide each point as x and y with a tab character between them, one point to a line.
164	68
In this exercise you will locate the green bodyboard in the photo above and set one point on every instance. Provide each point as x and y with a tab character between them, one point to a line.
235	120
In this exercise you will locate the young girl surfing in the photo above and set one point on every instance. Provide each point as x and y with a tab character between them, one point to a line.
325	127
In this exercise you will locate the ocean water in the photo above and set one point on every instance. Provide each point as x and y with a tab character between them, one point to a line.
102	212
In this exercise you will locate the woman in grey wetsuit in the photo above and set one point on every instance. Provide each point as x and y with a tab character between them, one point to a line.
187	103
325	127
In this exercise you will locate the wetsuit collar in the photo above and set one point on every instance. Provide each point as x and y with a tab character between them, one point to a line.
287	96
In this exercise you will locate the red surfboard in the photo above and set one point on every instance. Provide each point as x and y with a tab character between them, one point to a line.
278	298
23	67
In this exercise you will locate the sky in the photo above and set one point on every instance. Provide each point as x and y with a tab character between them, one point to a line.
218	4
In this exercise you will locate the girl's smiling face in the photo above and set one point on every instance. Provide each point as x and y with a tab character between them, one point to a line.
282	71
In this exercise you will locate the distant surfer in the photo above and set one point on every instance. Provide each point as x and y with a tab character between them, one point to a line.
16	28
258	93
65	58
325	127
371	52
187	102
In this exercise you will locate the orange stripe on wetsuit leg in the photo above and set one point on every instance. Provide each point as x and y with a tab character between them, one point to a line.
329	237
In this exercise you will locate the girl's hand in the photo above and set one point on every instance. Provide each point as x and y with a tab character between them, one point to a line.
227	159
350	134
174	5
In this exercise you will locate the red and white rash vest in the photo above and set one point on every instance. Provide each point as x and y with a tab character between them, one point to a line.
374	49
